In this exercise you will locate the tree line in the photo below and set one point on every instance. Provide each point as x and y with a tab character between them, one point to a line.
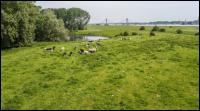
22	23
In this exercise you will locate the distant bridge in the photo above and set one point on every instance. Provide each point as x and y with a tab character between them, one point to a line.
127	21
107	21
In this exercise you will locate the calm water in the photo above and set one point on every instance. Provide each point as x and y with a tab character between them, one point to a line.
87	38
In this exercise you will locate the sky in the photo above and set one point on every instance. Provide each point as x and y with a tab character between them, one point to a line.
135	11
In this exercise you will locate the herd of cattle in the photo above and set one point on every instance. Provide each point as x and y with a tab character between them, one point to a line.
89	50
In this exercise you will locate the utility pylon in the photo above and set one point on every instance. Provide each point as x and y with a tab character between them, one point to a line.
106	22
126	21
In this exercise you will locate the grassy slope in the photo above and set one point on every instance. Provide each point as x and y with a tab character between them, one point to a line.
160	72
111	31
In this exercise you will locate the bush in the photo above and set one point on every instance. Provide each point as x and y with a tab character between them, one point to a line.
142	28
155	28
126	33
179	31
196	34
134	33
162	30
152	33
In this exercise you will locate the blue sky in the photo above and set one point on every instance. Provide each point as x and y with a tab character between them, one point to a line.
135	11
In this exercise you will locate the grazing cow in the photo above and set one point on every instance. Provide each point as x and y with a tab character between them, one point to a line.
50	49
64	54
92	50
81	51
62	49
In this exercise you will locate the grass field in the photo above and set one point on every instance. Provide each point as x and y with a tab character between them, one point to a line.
158	72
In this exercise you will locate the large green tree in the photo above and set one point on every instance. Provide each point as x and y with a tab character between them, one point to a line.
49	28
18	23
61	13
74	18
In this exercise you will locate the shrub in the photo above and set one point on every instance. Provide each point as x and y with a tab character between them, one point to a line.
134	33
142	28
126	33
152	33
196	34
162	30
155	28
179	31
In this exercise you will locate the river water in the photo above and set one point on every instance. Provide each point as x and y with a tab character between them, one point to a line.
87	38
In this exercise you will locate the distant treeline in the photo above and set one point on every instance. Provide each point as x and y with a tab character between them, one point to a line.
195	22
22	22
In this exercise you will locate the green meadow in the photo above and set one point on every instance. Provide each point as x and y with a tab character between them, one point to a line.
144	72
